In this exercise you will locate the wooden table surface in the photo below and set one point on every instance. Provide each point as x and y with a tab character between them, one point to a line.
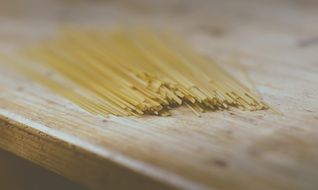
275	40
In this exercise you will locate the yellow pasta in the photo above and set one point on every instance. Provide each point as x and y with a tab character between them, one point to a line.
132	73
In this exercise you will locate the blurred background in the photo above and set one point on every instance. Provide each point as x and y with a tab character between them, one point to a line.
19	174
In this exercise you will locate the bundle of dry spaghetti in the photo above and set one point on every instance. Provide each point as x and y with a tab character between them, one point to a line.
133	72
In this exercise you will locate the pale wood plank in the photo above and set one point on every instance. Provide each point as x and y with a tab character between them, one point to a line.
223	150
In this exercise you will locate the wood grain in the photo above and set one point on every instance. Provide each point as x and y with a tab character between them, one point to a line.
273	40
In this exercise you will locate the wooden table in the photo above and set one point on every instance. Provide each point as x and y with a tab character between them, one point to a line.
275	40
19	174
